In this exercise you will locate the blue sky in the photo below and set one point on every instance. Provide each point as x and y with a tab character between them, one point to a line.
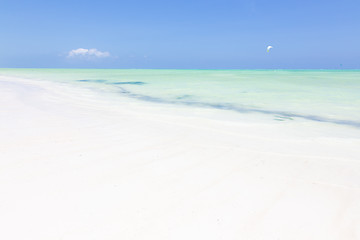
181	34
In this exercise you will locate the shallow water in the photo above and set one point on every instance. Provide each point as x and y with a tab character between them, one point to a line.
330	96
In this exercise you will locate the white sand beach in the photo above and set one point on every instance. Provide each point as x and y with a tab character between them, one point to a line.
77	165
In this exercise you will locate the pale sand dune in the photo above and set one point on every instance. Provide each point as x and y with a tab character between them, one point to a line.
78	165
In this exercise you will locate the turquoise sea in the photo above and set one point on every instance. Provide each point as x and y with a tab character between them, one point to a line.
329	96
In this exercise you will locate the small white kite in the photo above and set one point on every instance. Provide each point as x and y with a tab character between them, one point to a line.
268	48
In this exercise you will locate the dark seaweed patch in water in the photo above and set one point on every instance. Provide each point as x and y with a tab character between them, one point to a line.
282	118
129	83
186	96
280	115
88	80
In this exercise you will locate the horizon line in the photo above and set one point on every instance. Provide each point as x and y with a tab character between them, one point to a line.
254	69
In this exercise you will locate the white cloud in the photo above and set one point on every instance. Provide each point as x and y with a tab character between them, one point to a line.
92	52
